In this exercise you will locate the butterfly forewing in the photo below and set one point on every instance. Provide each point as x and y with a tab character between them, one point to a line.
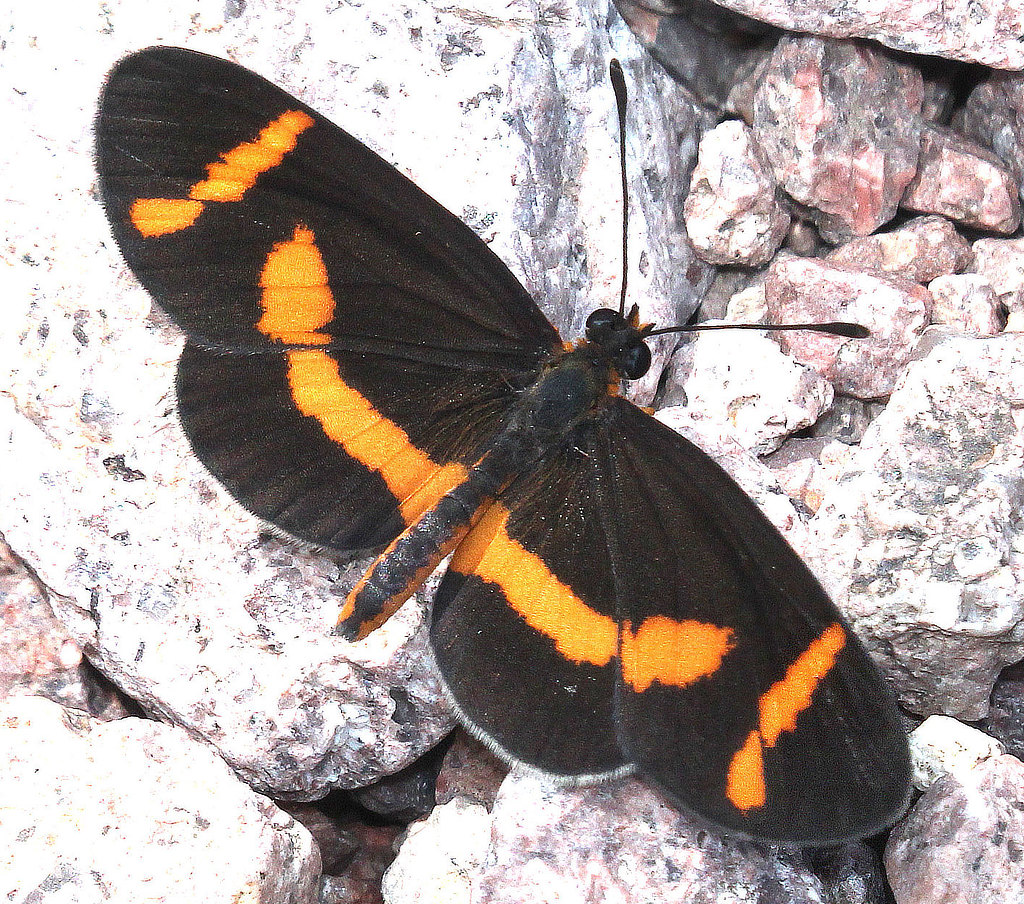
352	345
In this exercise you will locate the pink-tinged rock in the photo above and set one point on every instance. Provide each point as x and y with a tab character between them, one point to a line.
733	214
37	654
622	843
963	840
976	31
896	310
993	115
1001	261
840	123
920	250
963	181
136	810
469	770
967	301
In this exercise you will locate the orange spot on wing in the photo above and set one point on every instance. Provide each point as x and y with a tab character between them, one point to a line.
745	786
661	649
159	216
227	179
786	699
296	298
672	652
778	710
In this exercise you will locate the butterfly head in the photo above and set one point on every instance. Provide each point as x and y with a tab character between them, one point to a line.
622	340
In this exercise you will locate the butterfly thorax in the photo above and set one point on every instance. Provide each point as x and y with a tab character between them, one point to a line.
576	382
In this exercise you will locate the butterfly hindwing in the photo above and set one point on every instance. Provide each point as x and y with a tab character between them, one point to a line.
523	625
783	727
351	344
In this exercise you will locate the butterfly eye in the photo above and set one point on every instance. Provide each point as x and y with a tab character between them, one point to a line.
634	360
603	321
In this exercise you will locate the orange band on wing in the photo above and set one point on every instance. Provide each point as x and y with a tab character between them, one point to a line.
349	419
672	652
661	649
227	179
297	302
778	710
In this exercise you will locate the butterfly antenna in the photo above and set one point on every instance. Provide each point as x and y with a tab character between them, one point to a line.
835	328
619	87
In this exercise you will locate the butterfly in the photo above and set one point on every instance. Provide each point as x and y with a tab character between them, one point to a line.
362	372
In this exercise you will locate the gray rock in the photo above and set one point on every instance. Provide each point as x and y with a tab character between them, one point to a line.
919	541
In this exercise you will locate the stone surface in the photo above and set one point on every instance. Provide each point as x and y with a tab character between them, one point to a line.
621	842
977	31
741	380
920	250
840	123
963	840
807	468
993	114
846	420
896	310
440	856
360	880
170	587
1001	261
37	654
963	181
704	47
967	301
733	213
133	811
404	796
919	541
1005	719
469	770
943	746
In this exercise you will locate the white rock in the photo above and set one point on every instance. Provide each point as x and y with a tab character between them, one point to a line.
133	811
919	541
743	380
943	746
439	856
